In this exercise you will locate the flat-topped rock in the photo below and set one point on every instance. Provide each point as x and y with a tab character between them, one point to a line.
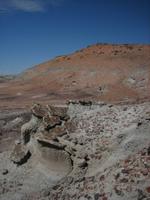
58	111
38	110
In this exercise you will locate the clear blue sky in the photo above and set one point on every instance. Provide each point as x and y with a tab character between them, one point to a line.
33	31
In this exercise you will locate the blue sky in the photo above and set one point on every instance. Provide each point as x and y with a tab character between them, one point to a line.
33	31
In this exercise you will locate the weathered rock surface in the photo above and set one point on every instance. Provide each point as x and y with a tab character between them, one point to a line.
39	140
90	151
20	154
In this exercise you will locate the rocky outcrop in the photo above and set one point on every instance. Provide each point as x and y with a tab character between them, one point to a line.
45	137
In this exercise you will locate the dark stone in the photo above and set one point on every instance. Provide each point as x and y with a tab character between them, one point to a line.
79	180
97	196
118	192
125	109
148	151
24	159
20	156
69	179
56	187
139	123
5	171
26	136
141	195
117	176
124	180
88	197
125	171
84	164
85	103
45	193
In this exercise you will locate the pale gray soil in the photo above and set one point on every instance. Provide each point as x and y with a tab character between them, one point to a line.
110	149
20	181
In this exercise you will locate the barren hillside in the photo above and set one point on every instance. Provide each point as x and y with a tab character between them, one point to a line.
104	72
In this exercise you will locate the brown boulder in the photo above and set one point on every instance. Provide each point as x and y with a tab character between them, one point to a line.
59	111
51	121
38	110
20	154
58	131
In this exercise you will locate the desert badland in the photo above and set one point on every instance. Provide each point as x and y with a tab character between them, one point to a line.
78	127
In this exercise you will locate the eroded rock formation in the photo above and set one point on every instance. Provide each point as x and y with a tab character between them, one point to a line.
92	150
46	138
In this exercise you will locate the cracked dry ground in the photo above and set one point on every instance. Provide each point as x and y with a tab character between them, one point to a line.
83	150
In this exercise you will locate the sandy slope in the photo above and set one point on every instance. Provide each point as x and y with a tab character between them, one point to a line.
101	72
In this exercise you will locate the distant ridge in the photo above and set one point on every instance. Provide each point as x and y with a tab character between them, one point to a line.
4	78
